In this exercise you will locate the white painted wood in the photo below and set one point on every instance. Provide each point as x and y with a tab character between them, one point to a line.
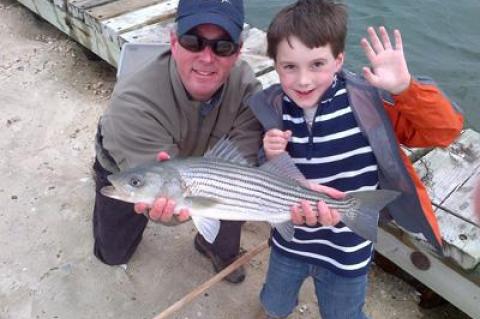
462	240
456	286
449	175
61	4
415	153
29	4
77	8
113	27
445	170
255	42
268	79
75	29
260	64
154	33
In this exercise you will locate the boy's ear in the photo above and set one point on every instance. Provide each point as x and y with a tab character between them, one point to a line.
339	61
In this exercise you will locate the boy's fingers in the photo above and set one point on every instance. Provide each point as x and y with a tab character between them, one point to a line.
310	216
385	38
398	40
369	76
162	156
324	214
330	191
274	133
335	217
296	215
376	44
367	49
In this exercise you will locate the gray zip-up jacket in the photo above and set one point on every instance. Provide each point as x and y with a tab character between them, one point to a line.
440	125
150	112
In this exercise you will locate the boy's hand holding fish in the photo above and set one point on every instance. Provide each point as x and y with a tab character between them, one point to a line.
274	143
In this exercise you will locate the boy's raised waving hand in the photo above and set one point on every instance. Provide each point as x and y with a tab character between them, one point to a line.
388	68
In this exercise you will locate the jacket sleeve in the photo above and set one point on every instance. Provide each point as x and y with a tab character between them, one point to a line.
423	117
247	131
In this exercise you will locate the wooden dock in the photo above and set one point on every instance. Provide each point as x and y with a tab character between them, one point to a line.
104	26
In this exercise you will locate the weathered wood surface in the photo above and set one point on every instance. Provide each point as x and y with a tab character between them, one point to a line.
74	28
459	287
449	175
103	26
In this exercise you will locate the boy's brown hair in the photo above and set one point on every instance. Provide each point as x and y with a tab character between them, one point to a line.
315	22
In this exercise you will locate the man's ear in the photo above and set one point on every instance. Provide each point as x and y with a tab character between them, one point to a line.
173	42
240	45
339	61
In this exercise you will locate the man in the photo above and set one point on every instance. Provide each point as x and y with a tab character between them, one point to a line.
182	102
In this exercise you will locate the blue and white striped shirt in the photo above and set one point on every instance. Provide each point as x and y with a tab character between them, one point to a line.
334	152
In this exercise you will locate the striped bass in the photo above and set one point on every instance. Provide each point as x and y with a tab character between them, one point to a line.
222	186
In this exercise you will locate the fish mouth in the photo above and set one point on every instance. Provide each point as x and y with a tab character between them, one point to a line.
112	192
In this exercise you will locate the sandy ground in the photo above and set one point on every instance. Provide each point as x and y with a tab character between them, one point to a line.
51	96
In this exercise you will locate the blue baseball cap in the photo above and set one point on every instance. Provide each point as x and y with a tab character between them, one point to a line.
227	14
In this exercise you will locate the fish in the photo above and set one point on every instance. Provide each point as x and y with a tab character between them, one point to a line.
223	185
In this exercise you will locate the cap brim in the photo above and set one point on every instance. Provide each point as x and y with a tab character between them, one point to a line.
189	22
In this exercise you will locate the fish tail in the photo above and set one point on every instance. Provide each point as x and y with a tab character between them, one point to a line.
364	222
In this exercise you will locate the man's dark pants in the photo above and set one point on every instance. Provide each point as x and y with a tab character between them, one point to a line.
118	230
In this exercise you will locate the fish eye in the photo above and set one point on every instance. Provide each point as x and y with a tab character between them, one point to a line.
136	181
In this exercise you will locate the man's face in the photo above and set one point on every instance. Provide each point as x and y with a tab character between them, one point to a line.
202	73
305	74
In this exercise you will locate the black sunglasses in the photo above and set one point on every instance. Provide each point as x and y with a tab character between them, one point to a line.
196	43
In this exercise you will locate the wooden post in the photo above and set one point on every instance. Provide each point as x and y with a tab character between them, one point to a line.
200	289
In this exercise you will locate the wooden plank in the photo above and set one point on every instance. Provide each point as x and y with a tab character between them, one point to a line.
76	8
113	27
255	42
259	63
155	33
113	9
75	29
415	153
461	201
460	288
61	4
445	170
268	79
449	175
462	240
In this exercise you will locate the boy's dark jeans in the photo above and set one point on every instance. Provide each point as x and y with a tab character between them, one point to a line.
118	230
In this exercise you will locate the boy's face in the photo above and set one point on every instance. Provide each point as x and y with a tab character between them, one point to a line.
305	74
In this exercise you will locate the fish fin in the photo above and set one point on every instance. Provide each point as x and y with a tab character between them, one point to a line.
207	227
285	229
364	222
225	149
283	165
202	202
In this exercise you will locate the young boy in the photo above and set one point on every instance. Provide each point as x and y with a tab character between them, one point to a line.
344	132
